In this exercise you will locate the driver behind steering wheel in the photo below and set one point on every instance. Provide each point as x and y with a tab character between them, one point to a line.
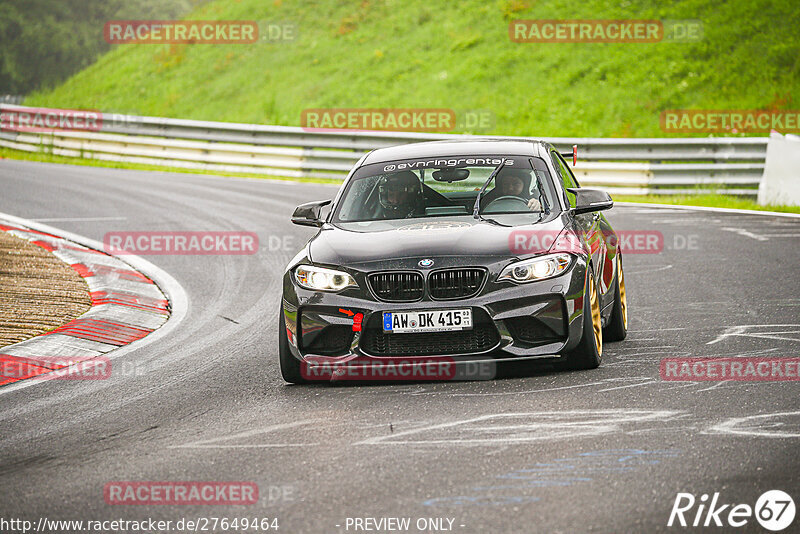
512	183
399	194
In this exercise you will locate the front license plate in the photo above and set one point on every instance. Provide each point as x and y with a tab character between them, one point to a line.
427	321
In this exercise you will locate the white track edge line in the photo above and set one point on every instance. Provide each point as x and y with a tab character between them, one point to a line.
709	208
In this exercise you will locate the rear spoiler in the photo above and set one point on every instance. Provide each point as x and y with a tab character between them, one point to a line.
574	155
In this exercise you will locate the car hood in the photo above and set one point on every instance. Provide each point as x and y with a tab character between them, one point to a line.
352	243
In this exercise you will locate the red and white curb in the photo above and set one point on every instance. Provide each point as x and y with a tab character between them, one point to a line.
127	306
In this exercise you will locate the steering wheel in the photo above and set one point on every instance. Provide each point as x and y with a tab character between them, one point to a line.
506	203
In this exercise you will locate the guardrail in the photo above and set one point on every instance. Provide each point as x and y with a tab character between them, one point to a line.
624	166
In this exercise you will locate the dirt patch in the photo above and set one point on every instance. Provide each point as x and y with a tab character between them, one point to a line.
38	292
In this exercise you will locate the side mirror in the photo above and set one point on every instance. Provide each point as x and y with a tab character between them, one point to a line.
587	200
308	214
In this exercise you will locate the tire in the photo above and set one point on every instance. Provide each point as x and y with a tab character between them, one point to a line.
588	353
617	327
290	366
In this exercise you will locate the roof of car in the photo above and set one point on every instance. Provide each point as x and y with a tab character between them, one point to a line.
471	147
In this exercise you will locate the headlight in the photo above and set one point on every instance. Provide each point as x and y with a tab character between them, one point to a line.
322	279
536	268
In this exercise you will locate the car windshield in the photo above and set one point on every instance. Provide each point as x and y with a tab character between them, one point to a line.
448	187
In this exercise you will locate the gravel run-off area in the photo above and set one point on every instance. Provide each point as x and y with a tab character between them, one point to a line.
38	292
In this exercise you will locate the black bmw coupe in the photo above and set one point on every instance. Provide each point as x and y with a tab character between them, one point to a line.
452	253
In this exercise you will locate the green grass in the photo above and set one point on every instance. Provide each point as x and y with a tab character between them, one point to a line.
714	201
457	55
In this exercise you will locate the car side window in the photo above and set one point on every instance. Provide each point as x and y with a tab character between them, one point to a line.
567	178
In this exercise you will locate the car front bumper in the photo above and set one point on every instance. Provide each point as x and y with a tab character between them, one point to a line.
537	320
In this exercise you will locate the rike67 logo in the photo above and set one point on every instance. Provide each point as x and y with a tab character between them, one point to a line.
774	510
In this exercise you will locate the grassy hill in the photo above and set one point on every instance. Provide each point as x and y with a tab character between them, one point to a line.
458	55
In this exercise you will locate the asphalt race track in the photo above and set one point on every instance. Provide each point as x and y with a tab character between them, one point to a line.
603	451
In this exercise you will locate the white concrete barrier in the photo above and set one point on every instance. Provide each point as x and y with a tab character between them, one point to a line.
780	183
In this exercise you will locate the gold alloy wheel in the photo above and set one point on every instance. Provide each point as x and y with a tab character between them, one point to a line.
596	323
622	299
